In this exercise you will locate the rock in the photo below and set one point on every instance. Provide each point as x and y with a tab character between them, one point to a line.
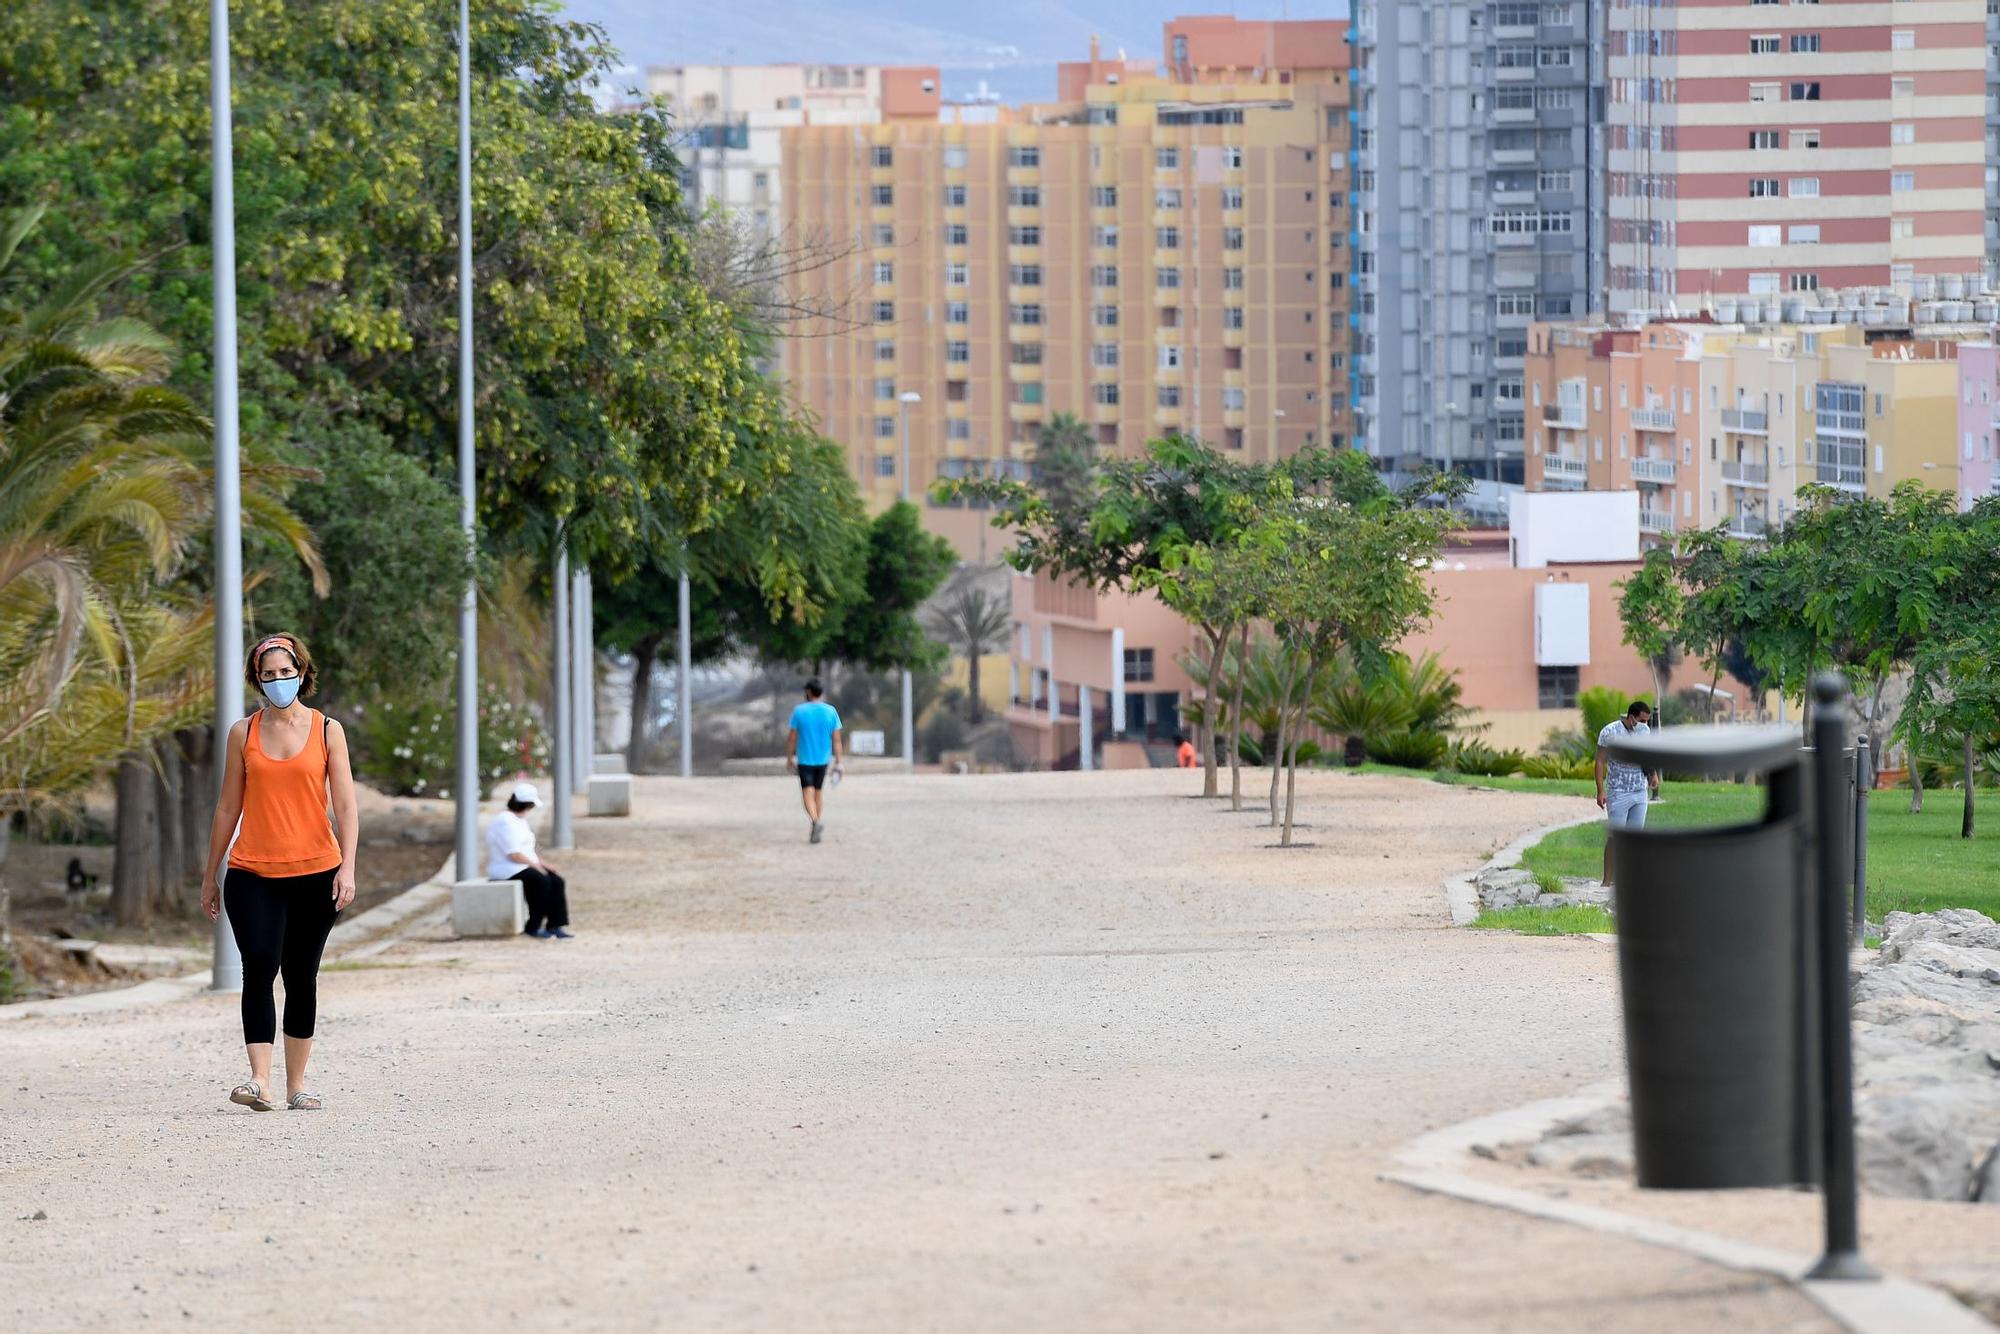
1585	1155
1952	960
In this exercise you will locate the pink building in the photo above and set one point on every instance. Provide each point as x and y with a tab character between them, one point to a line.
1785	149
1978	421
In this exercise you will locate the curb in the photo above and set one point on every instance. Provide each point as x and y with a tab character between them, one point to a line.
1461	893
1888	1306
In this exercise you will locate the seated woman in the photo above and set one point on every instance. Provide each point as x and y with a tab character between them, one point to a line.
510	855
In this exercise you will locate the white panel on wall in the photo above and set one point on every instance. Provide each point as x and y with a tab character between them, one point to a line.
1562	625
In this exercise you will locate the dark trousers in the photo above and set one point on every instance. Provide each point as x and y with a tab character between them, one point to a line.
548	899
280	924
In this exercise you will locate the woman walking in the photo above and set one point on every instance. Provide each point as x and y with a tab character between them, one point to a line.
289	876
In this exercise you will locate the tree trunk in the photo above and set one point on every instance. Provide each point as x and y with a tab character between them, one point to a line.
643	654
133	888
1292	760
1276	757
6	893
168	780
1236	726
1219	642
1659	699
973	714
198	798
1965	825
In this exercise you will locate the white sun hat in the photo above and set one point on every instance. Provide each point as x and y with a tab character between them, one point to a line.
525	795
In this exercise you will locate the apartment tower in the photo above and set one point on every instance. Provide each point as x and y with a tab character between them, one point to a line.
1152	254
1479	212
1784	151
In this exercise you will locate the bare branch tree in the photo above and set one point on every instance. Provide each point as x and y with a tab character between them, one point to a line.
796	281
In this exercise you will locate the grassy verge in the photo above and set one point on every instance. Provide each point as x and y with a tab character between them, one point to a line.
1573	921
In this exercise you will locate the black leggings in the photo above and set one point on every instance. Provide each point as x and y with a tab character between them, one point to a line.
280	925
547	896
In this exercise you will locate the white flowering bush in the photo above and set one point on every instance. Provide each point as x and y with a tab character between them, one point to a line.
407	748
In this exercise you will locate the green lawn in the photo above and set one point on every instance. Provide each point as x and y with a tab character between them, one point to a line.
1574	921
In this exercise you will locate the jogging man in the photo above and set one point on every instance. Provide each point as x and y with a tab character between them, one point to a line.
811	747
1622	789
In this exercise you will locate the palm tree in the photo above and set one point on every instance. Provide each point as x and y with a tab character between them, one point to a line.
974	621
1357	709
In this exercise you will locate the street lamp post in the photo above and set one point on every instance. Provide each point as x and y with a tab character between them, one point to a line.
227	969
466	831
909	398
684	709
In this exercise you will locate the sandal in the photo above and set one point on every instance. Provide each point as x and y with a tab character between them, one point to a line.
303	1102
251	1095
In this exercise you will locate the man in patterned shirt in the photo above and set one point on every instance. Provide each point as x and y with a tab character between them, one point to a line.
1622	789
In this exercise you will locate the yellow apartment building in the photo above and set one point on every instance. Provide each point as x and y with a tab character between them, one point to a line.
1154	253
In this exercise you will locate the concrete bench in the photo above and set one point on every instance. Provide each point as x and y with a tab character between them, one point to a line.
608	762
488	908
611	794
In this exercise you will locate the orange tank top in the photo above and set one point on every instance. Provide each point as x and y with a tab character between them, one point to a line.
285	829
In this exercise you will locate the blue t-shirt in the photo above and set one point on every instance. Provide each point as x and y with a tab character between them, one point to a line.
815	721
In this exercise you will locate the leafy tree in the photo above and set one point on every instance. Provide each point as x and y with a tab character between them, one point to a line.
1065	458
973	621
1651	608
880	631
1955	670
1710	618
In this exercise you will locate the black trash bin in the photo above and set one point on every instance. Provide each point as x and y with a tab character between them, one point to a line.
1716	962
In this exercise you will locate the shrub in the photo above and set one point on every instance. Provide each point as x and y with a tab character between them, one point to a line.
1558	766
1566	744
1410	750
1601	705
1474	757
407	748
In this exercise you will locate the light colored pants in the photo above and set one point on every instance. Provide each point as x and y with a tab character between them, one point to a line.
1627	809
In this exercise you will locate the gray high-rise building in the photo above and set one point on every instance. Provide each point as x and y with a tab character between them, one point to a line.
1481	207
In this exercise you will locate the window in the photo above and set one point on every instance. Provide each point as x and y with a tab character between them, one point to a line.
885	428
760	181
1232	400
1902	181
1766	235
1025	155
885	234
1104	354
1105	393
1232	197
1167	198
954	196
885	465
1138	664
1766	139
1232	280
885	387
1232	317
1104	275
1803	187
1232	238
1806	92
1166	277
1024	275
1555	687
885	350
958	353
1763	187
1902	229
1903	132
1805	42
955	234
885	272
1169	396
1805	138
1104	196
1555	180
1167	159
885	312
1804	282
957	274
1104	235
1024	196
1763	92
1170	357
1025	354
1763	284
1167	238
1104	317
957	312
1024	236
958	428
882	155
1232	158
954	156
1024	314
1903	39
1804	234
882	196
1903	87
1554	57
1764	44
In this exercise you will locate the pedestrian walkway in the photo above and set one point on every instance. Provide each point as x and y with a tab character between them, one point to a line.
1055	1051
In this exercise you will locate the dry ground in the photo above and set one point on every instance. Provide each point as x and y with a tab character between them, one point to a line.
1037	1052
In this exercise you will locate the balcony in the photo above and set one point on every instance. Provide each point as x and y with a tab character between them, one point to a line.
1659	472
1513	115
1564	416
1848	477
1745	422
1653	419
1656	521
1746	474
1513	157
1748	527
1564	474
1512	196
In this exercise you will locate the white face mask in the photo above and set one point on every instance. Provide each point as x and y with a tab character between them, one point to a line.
282	692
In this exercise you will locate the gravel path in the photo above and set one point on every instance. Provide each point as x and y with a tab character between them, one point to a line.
1052	1051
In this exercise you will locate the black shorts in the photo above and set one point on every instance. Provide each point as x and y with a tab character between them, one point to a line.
812	775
